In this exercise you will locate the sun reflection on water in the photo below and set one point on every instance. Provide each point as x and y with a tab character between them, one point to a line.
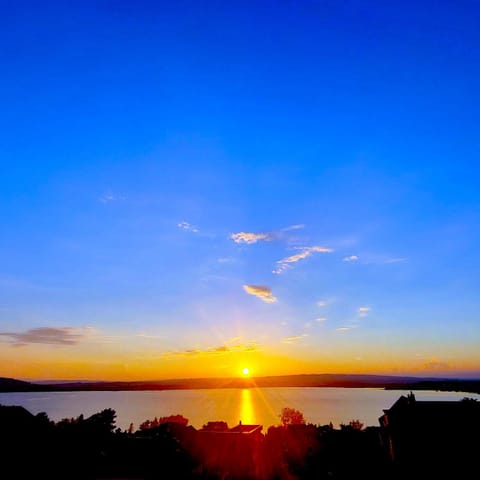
247	411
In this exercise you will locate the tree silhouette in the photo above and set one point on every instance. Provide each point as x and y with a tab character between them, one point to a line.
102	422
156	422
469	400
174	419
43	420
355	424
218	426
291	416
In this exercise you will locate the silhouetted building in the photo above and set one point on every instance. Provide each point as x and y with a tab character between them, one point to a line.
15	419
424	437
247	429
233	451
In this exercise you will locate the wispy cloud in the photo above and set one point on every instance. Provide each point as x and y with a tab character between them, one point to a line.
250	237
262	292
47	335
299	226
149	336
363	311
344	329
295	338
396	260
226	260
111	197
187	226
381	259
321	319
436	365
212	351
322	303
305	252
350	258
254	237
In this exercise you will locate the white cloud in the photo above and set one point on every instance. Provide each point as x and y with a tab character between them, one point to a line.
363	311
293	227
350	258
187	226
250	237
343	329
294	338
322	303
260	291
305	252
321	319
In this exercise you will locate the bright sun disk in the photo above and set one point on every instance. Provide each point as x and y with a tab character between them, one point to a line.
245	371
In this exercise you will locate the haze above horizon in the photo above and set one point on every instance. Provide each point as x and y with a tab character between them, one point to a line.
282	188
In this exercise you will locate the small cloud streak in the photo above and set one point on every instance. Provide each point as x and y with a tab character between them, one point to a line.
47	335
110	197
350	258
148	336
287	262
396	260
262	292
226	260
363	311
436	365
293	339
343	329
250	237
321	319
213	351
187	226
293	227
322	303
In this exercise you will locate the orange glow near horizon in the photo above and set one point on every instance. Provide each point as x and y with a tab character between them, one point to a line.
91	363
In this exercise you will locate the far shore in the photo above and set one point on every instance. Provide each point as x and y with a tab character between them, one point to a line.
309	380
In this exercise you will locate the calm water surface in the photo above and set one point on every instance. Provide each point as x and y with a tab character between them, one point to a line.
258	406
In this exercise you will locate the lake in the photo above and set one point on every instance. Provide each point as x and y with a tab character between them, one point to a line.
251	406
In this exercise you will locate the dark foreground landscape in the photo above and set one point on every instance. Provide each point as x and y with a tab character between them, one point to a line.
414	439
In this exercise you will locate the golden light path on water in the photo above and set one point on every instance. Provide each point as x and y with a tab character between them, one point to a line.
250	397
247	411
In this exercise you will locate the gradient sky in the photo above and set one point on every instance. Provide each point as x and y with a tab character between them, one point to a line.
188	188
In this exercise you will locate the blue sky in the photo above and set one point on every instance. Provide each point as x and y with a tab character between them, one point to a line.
160	161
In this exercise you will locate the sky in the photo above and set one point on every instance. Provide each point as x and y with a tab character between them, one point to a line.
191	188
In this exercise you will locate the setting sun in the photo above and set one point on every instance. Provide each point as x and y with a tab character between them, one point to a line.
246	371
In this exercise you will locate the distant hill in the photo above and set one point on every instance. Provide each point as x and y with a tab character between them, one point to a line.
311	380
12	385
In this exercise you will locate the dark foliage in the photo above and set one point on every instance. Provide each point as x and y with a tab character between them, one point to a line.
90	448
